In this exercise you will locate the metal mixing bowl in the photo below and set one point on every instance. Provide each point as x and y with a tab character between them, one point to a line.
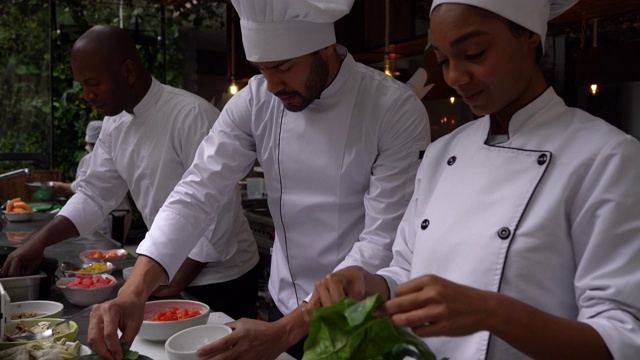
42	190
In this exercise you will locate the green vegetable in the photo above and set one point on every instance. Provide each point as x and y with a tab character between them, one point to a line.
128	354
349	330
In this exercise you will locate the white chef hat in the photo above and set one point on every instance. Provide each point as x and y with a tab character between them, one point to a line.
530	14
93	131
274	30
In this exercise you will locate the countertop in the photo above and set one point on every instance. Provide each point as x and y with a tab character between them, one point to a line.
15	233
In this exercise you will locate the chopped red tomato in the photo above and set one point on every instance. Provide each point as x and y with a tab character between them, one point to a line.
172	314
89	281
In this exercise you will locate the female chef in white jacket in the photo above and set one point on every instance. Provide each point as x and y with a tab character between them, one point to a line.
523	235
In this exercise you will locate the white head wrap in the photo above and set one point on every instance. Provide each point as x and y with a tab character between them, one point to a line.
93	131
530	14
274	30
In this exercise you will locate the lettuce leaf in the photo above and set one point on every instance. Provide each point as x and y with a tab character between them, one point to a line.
350	330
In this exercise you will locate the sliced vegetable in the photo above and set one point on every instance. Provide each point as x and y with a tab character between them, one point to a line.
89	281
17	206
174	313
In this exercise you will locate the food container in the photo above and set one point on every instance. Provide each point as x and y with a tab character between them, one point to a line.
42	190
183	345
87	296
18	216
67	331
23	288
92	269
34	309
162	330
115	256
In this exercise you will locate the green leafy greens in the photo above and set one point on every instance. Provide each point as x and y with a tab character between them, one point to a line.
349	330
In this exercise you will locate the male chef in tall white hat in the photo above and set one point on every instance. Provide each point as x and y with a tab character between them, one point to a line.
339	142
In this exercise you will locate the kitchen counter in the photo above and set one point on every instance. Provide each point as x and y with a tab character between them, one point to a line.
13	234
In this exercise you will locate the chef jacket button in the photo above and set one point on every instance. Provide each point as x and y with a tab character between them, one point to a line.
425	224
542	159
451	161
504	233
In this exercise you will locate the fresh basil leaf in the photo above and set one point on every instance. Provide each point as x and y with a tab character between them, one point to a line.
350	330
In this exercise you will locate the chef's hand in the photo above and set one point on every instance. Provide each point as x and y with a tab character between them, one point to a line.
124	313
188	271
352	281
433	306
256	339
23	261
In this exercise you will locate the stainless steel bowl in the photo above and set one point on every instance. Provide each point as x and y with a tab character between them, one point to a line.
42	190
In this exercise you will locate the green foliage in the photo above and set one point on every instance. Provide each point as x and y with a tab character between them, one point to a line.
24	81
350	330
43	108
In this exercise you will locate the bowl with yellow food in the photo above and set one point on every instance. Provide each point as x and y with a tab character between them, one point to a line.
70	270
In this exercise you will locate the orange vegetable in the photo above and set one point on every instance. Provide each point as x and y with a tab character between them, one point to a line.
172	314
17	205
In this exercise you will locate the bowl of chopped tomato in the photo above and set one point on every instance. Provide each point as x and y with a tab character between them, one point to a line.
85	290
114	256
164	318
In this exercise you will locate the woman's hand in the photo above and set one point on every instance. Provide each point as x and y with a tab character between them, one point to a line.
433	306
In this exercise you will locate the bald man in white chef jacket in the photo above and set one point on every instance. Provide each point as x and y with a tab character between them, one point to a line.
339	143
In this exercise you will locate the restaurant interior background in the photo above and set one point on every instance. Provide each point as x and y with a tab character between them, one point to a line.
196	45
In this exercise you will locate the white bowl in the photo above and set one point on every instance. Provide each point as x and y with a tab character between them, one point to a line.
126	272
87	296
183	345
41	309
162	330
18	216
114	256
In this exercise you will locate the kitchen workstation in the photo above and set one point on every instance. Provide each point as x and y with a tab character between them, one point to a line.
310	179
78	273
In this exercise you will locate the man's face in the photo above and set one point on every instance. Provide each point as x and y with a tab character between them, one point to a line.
296	82
103	85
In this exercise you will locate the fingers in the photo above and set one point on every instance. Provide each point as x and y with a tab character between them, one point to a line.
330	289
95	335
218	347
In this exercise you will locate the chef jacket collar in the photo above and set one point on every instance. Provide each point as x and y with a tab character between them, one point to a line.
150	100
528	115
347	66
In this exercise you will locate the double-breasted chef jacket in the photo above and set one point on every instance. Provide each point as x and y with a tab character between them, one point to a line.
550	217
338	175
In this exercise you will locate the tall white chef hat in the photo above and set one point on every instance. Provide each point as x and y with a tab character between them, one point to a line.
274	30
530	14
93	131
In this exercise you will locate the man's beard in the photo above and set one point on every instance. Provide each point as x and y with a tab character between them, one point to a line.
318	75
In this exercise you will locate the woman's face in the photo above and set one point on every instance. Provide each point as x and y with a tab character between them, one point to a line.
483	61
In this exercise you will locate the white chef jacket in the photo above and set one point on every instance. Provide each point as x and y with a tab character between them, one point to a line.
148	153
338	175
83	168
550	217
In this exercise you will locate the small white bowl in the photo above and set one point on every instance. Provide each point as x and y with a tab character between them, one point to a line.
162	330
18	216
41	309
87	296
183	345
126	272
